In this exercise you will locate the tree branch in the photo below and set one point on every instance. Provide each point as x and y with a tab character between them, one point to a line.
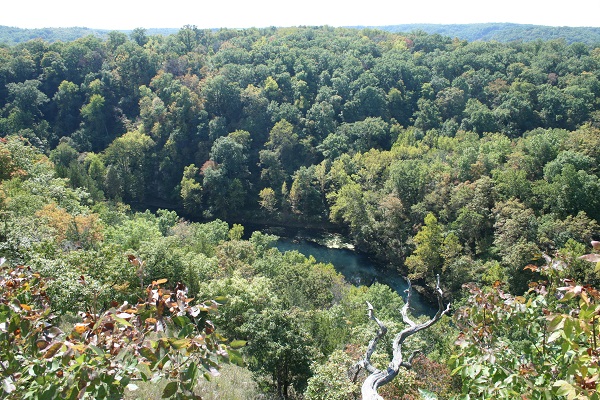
379	378
366	361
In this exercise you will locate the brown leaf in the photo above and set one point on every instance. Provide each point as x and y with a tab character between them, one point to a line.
80	328
53	350
133	260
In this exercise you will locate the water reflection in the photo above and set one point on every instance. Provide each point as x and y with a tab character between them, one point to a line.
356	267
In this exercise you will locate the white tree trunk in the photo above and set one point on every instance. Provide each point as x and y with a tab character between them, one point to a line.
378	378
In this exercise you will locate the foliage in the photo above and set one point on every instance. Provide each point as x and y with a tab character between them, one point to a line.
433	155
540	345
161	337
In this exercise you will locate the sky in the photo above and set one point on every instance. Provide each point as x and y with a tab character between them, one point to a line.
130	14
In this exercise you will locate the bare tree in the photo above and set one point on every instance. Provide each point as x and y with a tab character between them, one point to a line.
378	378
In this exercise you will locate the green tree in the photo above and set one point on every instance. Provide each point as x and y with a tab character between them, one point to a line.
23	111
130	158
427	260
191	189
68	100
280	349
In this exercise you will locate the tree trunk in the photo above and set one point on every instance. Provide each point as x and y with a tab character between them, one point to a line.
378	378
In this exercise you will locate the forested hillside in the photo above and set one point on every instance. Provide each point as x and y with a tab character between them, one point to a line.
10	35
500	32
474	161
505	32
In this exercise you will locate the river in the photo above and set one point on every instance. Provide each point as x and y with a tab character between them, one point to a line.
356	267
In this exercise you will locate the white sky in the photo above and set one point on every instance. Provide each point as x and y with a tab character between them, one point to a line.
129	14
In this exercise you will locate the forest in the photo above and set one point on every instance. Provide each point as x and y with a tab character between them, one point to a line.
129	166
505	32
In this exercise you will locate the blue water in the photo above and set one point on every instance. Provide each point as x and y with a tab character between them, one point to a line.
356	268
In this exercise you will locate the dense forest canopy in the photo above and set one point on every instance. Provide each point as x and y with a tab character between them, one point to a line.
504	32
500	32
471	160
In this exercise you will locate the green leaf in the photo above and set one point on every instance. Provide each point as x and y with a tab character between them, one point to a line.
565	389
170	390
192	372
557	323
148	353
181	321
97	350
555	335
144	370
179	343
235	358
236	344
122	321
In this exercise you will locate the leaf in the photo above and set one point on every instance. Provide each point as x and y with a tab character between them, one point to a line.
555	335
180	343
148	353
558	322
591	257
221	299
181	321
97	350
122	321
170	390
235	358
80	328
427	395
565	389
25	307
144	370
132	387
53	350
236	344
192	372
8	385
159	282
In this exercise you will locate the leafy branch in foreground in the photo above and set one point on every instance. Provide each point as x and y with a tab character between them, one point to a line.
541	345
161	337
378	378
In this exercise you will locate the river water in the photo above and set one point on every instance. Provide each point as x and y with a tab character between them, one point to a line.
357	268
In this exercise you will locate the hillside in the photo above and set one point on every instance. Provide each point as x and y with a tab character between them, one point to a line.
501	32
12	35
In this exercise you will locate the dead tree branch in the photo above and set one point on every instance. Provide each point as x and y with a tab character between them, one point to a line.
378	378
